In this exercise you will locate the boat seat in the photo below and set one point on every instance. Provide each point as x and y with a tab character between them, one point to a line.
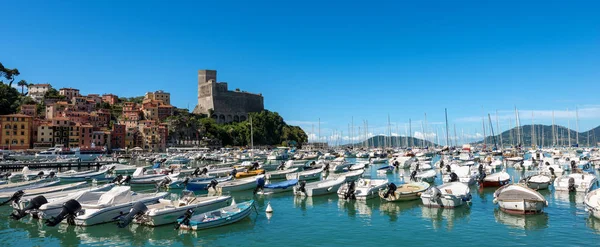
216	214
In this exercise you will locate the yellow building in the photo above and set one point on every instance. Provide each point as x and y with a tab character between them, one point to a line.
15	131
159	95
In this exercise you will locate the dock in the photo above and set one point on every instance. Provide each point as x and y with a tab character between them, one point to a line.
58	166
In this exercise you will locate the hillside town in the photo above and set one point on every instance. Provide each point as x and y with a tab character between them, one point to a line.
73	120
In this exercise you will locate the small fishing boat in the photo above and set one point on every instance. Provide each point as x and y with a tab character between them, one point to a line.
92	208
44	190
575	182
203	184
378	160
29	184
385	169
363	189
539	181
426	176
312	174
249	173
220	217
462	174
358	166
350	176
448	195
237	185
75	176
494	180
278	187
518	199
167	211
280	174
220	172
143	176
318	188
405	192
592	203
26	174
120	168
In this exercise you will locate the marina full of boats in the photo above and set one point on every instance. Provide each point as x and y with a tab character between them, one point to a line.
190	193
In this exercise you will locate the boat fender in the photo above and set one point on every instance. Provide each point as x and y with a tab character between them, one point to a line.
14	198
69	210
269	208
495	201
138	209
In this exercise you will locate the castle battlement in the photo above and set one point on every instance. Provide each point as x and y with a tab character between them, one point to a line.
215	99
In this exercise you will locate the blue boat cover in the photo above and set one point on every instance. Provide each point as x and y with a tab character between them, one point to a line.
282	185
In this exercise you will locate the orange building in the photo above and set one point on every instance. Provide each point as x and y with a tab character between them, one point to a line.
16	131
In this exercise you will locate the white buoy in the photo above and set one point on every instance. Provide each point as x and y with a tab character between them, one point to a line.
269	208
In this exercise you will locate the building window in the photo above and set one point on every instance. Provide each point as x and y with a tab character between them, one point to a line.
42	139
22	142
7	133
42	133
22	133
22	126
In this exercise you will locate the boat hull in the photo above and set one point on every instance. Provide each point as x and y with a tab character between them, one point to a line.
170	216
522	207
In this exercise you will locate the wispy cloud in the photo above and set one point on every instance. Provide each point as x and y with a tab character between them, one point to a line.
586	112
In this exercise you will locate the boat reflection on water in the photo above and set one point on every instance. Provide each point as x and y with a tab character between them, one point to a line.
437	215
593	223
523	222
572	198
360	208
394	209
305	202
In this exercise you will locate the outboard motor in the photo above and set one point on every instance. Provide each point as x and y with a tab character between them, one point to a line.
350	192
138	210
442	164
14	198
391	190
255	166
117	179
213	184
413	176
233	172
417	167
552	171
126	180
326	167
448	169
573	165
571	184
281	166
164	183
196	172
435	193
204	171
5	175
302	185
111	170
260	184
35	203
186	218
69	211
40	174
185	182
51	175
396	164
453	177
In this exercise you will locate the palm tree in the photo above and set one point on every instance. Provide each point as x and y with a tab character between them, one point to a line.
22	84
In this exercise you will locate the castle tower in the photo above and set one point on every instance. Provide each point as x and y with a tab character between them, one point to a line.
206	86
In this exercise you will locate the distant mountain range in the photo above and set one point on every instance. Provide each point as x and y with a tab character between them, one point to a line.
394	141
544	134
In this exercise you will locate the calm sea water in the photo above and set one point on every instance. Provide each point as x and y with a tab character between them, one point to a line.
328	221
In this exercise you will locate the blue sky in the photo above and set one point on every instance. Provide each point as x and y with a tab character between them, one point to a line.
333	60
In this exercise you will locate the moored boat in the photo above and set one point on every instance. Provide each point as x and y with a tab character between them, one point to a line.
220	217
518	199
318	188
448	195
278	187
363	189
494	180
404	192
575	182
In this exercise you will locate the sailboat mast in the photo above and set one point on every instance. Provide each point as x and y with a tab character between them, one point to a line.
533	140
455	139
447	138
577	123
499	130
553	132
569	128
411	133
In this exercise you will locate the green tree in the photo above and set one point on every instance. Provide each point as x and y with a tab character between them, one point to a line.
9	99
9	74
23	84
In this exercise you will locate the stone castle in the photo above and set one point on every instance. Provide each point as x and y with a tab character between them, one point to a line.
224	106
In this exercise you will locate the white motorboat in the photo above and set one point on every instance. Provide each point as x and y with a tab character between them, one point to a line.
29	184
30	204
539	181
426	176
142	176
462	174
92	208
312	174
75	176
318	188
358	166
404	192
237	185
363	189
280	174
518	199
350	176
575	182
448	195
26	174
592	203
167	211
43	190
402	162
120	168
378	160
497	179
